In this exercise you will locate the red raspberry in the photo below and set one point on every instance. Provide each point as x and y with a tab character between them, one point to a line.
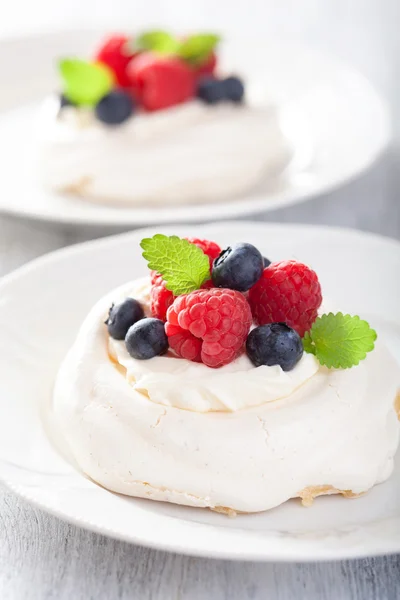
287	292
154	277
161	298
210	248
209	326
160	81
208	67
114	54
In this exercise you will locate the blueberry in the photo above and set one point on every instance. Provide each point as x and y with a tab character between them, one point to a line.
211	90
233	89
121	316
238	268
115	108
274	344
64	101
267	262
146	339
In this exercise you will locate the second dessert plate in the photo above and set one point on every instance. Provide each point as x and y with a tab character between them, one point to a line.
334	120
34	342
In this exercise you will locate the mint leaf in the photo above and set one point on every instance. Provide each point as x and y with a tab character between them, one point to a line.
85	83
183	265
161	42
197	48
339	341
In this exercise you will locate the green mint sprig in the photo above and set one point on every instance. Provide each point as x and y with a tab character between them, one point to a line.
194	49
85	83
339	341
183	266
158	41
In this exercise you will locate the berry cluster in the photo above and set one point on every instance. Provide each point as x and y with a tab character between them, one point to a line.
212	322
156	71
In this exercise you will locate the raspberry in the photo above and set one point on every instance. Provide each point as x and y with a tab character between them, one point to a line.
210	248
288	292
207	68
209	326
115	54
159	82
161	298
154	277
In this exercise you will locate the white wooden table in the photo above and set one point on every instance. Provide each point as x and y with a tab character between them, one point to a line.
44	558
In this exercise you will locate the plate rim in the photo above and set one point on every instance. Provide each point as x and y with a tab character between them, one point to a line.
285	554
260	202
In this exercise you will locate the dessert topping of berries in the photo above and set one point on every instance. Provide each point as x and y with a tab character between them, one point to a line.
114	108
274	344
122	316
162	298
156	69
64	101
159	82
116	54
207	68
287	292
210	249
209	326
212	90
146	339
233	89
339	341
183	265
85	83
267	262
213	325
238	267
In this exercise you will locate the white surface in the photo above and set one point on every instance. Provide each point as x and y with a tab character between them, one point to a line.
334	528
333	118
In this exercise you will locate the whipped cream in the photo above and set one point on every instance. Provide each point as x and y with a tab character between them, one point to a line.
193	386
337	428
189	153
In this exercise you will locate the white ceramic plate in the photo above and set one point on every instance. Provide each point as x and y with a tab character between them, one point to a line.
42	306
335	120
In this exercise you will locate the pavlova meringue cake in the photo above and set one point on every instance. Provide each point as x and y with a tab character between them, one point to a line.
149	120
216	382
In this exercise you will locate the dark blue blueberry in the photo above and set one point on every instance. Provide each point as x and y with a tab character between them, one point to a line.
146	339
115	108
274	344
211	90
267	262
64	101
121	316
233	89
238	268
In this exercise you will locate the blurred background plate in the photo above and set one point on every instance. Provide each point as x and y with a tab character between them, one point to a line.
336	122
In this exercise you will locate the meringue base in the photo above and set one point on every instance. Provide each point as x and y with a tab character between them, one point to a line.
337	433
191	153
